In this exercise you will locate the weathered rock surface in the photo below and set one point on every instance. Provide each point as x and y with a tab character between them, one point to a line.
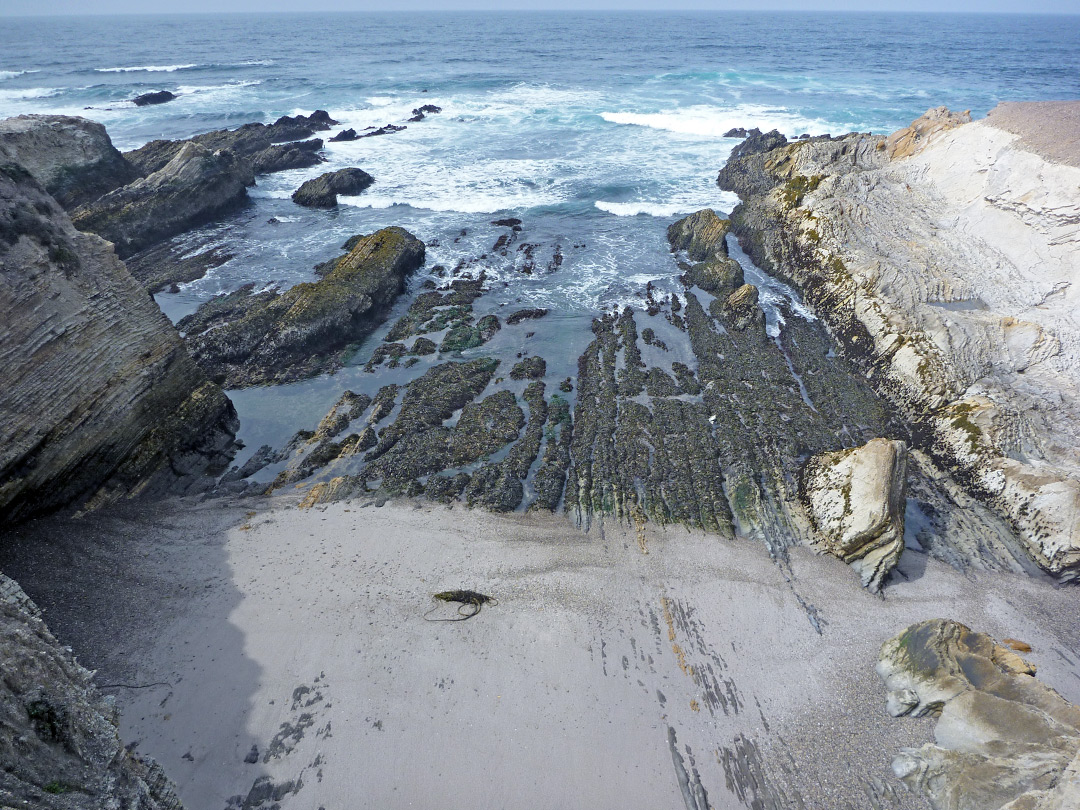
947	272
245	339
297	155
702	235
73	158
99	395
1002	740
856	500
245	141
194	187
322	191
58	735
156	97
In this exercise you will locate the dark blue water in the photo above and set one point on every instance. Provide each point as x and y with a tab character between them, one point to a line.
597	129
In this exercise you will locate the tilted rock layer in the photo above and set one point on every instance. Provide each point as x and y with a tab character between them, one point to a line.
1003	740
948	273
99	394
58	735
244	339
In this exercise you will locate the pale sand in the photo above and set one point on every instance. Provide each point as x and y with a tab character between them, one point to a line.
564	695
1050	129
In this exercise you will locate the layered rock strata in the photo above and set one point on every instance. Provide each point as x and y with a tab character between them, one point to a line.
74	159
247	338
1002	739
856	499
194	187
944	258
58	734
100	394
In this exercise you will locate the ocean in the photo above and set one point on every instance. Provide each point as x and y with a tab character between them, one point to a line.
596	129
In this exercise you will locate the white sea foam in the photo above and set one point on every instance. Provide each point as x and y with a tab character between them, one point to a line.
146	68
633	209
28	93
204	90
12	74
712	122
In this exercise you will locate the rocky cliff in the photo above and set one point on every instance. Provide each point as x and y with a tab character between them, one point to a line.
58	735
100	397
944	258
73	158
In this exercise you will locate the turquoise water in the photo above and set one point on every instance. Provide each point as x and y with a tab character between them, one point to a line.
597	130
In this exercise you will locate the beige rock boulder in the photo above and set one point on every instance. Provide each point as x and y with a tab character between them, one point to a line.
856	502
1003	740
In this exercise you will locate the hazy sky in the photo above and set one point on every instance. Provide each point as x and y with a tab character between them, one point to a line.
193	6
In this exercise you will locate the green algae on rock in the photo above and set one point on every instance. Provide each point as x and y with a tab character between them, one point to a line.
249	339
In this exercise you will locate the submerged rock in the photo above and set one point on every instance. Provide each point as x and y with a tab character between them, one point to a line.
1003	740
856	500
251	339
157	97
73	158
322	191
194	187
100	396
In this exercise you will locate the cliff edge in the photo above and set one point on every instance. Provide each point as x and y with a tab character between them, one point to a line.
945	258
100	397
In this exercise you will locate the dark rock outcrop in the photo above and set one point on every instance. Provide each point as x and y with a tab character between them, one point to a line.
100	396
1003	740
345	135
322	191
245	141
58	734
157	97
387	129
423	111
248	339
703	236
192	188
278	158
73	158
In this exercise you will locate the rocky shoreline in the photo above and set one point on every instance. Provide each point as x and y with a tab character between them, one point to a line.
905	416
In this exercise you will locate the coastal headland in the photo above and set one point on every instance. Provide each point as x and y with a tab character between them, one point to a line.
662	520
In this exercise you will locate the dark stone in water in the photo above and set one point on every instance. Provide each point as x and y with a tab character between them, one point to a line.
509	222
158	97
371	132
525	314
736	132
323	190
346	135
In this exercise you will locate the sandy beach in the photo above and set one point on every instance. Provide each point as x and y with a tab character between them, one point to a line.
691	675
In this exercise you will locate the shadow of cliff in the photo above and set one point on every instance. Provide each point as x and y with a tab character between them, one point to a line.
135	590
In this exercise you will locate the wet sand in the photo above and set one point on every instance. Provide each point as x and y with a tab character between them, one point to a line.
605	677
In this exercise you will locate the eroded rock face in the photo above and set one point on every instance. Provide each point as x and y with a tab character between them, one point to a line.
73	158
322	191
942	258
702	235
1003	740
99	394
856	500
248	339
58	735
192	188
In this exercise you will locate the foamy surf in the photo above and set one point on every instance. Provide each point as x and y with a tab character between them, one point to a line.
146	68
714	122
